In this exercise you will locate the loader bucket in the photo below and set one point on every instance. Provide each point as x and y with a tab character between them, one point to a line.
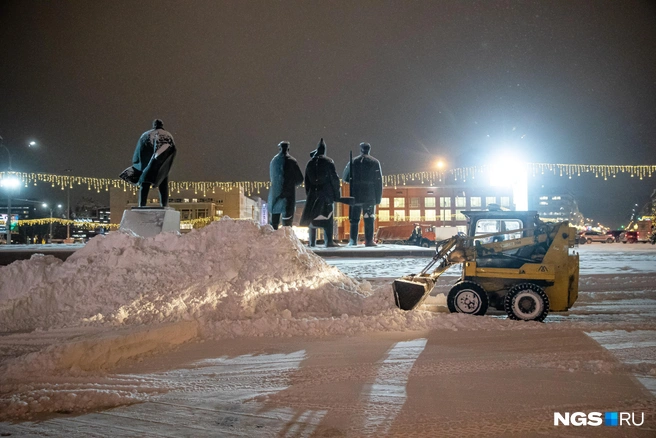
409	294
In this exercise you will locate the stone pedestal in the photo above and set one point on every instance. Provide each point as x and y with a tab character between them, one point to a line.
150	221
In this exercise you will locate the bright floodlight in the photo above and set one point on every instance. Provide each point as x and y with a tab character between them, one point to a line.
44	205
509	171
10	182
439	164
32	143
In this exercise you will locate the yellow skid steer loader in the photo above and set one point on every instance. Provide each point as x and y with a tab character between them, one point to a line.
511	260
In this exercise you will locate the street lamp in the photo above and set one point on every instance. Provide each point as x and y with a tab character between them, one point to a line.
44	205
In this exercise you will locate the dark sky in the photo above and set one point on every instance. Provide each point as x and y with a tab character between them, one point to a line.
562	81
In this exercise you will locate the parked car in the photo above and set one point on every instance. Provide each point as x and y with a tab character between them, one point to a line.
629	237
616	234
595	236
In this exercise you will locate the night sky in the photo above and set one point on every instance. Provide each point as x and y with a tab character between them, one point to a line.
559	81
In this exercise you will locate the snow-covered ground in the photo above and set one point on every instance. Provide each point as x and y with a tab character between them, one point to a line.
239	330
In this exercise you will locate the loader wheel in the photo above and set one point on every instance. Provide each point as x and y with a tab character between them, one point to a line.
526	302
467	297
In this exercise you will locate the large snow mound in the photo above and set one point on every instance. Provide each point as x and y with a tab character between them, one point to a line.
229	270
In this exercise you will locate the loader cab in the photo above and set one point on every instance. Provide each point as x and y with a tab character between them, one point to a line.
513	225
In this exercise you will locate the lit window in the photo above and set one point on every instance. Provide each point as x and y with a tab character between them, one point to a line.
505	201
445	202
430	215
415	215
543	198
384	203
185	200
460	216
399	216
429	202
555	198
399	202
461	201
475	201
544	203
445	215
383	216
414	202
491	226
194	200
490	200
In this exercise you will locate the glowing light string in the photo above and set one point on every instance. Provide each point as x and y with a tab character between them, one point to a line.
461	174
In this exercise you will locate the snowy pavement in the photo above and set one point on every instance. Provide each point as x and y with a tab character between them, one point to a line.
264	342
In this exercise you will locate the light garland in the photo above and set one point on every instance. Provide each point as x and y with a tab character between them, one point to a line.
462	174
200	222
85	224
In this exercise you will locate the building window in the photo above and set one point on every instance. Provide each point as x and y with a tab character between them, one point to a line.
414	202
383	216
460	216
399	202
555	198
429	202
399	216
490	200
384	203
544	203
430	216
445	202
461	201
475	201
445	215
415	215
505	201
194	200
543	198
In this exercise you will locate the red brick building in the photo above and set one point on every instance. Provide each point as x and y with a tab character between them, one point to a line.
439	206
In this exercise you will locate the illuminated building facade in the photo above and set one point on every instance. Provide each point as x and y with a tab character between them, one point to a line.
192	205
439	206
556	206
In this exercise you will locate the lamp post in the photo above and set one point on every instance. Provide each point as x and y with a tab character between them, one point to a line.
51	209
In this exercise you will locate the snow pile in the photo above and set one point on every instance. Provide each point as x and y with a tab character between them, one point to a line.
230	270
229	279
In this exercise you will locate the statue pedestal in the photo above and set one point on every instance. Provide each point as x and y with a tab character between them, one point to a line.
150	221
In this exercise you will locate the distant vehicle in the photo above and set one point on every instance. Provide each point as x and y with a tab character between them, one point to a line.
629	237
616	234
595	236
644	230
424	235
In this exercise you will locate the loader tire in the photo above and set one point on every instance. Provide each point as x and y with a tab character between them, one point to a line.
526	302
467	297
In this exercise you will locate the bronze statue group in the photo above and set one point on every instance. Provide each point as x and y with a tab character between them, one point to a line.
322	189
156	151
